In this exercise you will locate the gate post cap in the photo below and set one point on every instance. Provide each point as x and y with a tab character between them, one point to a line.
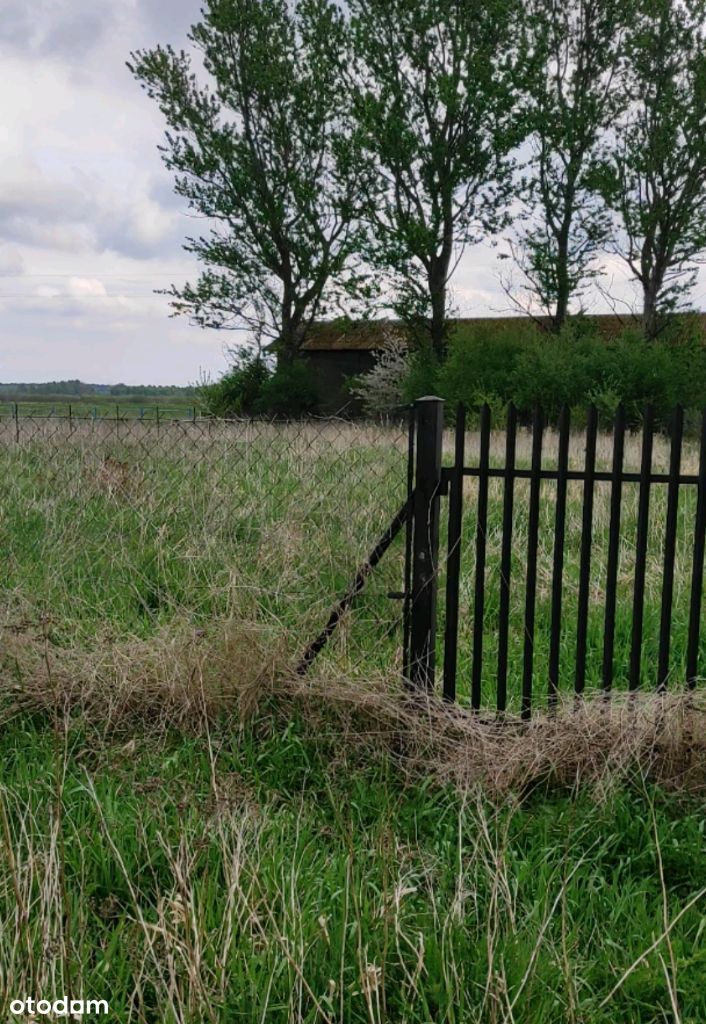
429	398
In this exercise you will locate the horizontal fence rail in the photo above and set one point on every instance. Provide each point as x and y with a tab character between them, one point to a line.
527	573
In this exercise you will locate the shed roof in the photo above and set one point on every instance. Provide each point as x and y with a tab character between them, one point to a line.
367	335
342	335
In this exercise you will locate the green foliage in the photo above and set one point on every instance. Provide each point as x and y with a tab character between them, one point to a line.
433	96
575	53
238	391
482	363
653	175
261	148
289	391
251	388
575	368
423	376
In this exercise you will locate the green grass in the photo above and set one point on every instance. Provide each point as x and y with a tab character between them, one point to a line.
279	879
273	869
129	527
101	406
126	528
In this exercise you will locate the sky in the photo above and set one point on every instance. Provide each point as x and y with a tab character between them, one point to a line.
89	224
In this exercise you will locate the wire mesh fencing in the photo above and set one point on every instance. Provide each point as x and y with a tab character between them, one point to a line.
115	526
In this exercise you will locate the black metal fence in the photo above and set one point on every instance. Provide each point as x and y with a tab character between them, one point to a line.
609	566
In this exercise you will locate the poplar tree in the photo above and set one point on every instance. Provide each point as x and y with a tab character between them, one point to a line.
574	86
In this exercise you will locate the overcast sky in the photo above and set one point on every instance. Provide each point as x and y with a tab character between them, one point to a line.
89	226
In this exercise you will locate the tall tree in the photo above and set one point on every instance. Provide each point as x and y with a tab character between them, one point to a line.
655	174
432	90
263	151
575	61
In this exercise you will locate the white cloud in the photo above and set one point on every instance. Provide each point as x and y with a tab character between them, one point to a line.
11	262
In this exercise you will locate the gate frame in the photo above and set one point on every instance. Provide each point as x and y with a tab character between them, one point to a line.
429	423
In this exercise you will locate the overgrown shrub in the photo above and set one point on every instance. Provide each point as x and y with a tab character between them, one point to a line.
289	391
481	364
251	388
423	376
521	365
239	390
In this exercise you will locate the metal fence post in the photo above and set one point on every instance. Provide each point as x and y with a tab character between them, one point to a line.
429	413
17	423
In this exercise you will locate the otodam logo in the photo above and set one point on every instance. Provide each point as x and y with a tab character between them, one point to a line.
61	1007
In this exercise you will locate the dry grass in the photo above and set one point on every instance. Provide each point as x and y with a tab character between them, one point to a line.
190	680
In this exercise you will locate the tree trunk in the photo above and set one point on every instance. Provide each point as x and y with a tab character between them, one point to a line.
563	285
438	318
438	279
287	345
650	324
563	290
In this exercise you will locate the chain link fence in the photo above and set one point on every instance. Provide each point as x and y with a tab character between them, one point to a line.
115	527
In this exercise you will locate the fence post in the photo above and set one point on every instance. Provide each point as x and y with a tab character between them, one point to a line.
429	414
17	423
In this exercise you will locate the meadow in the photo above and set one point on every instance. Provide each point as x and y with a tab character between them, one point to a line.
99	406
192	834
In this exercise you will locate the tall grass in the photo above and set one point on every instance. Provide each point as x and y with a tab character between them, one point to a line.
261	877
114	533
193	834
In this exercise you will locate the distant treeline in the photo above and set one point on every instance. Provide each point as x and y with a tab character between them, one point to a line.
77	389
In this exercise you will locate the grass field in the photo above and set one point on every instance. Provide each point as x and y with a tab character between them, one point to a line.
189	837
127	528
100	406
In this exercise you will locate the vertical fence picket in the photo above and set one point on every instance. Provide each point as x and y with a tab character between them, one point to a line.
643	516
481	537
532	548
670	544
430	424
506	556
616	494
586	542
409	531
697	572
453	561
558	569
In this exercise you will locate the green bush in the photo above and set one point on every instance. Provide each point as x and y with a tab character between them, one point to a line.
575	368
239	390
251	388
289	391
481	365
423	376
553	371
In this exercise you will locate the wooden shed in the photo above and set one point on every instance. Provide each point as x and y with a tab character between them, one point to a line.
336	352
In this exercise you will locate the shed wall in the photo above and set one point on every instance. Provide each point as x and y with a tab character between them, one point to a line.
330	370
